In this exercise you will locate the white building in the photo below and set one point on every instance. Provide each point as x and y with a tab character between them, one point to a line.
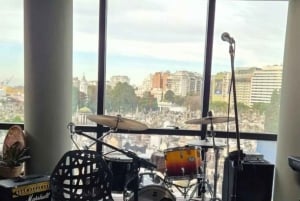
264	82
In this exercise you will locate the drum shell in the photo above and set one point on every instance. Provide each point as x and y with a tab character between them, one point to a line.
154	193
183	161
121	168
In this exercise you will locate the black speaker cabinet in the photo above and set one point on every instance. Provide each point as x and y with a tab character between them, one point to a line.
253	182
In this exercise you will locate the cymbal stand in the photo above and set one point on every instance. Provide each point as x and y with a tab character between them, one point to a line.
111	130
137	161
217	156
202	180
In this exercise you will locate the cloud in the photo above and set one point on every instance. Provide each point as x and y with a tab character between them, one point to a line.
172	30
11	15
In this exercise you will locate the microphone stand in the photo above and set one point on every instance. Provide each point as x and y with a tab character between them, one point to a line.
137	161
236	156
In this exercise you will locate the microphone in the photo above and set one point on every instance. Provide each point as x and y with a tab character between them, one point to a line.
226	37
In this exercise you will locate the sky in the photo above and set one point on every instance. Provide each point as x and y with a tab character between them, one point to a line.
145	36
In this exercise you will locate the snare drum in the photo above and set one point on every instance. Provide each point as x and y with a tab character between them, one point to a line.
183	161
122	169
154	193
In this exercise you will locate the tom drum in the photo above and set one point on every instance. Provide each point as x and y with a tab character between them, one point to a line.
121	168
183	162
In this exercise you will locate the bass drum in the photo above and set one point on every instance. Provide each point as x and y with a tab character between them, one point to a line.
154	193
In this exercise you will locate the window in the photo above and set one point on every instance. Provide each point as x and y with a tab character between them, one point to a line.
259	37
155	53
11	62
85	60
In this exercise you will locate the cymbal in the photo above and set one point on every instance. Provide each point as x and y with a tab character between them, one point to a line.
118	122
210	120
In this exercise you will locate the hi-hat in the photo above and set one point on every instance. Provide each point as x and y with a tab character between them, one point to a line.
117	122
210	120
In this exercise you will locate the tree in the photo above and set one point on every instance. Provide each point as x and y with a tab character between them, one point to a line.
260	107
148	102
108	105
218	106
272	113
92	98
242	107
192	103
179	100
75	98
169	96
123	98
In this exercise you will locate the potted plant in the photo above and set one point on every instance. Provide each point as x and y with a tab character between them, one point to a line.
11	163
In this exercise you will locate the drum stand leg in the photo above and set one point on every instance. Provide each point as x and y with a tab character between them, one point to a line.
216	175
203	184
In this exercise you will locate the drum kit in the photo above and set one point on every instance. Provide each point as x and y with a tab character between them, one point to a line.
179	163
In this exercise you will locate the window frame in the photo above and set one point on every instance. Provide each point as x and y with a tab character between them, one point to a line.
99	129
206	89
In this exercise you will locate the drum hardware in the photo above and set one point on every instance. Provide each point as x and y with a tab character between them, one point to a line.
137	162
183	189
154	193
211	120
100	138
118	122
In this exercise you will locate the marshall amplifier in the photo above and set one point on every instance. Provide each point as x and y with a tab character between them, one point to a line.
27	188
254	182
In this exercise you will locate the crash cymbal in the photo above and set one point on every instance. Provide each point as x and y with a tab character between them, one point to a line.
118	122
209	120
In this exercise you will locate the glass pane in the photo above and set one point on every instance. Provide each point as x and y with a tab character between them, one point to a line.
259	46
11	62
85	59
155	52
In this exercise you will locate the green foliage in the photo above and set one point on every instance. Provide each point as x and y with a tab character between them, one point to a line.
75	99
92	98
123	98
179	100
14	156
148	102
260	107
219	106
169	96
17	119
242	107
192	103
272	113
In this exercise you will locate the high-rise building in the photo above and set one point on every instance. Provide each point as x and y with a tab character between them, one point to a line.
243	77
184	83
220	86
264	82
253	85
159	80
